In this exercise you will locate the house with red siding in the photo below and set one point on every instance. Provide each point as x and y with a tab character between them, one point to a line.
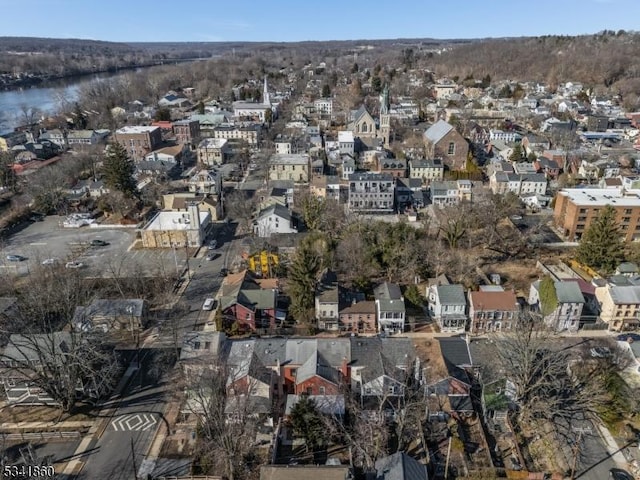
245	301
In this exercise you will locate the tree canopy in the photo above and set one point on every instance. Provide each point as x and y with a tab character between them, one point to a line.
118	170
601	246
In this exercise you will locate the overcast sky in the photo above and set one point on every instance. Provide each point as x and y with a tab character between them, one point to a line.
288	20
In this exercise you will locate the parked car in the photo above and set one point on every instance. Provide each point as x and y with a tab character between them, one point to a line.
619	474
209	304
98	243
212	245
212	256
74	265
50	261
600	352
223	272
16	258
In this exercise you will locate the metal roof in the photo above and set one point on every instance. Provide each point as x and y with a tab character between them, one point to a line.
451	295
437	131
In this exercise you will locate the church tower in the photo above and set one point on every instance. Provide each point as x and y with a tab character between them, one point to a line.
385	117
265	93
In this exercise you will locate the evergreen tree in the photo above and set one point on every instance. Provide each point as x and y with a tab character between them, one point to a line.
601	246
307	423
302	278
326	91
516	155
118	170
201	107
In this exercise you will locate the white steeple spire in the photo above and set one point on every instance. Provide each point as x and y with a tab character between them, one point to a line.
265	94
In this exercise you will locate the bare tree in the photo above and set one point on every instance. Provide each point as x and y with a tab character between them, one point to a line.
225	418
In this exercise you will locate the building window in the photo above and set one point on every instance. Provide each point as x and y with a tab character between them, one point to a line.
452	148
322	391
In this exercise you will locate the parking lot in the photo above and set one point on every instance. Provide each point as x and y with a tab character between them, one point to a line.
47	239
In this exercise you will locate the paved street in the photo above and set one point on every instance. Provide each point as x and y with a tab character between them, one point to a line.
128	436
204	283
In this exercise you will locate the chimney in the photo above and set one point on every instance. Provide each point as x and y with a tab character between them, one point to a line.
344	369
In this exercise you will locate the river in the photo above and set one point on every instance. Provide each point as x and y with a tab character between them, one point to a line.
47	98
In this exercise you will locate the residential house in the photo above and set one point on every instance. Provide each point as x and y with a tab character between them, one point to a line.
328	301
568	305
112	314
448	307
186	131
509	136
138	141
251	111
379	367
371	193
297	472
532	142
448	385
619	306
252	134
173	100
206	181
518	184
400	466
442	140
450	192
359	317
396	167
427	170
213	151
408	193
493	310
323	106
548	167
83	138
524	168
11	139
274	219
390	308
348	167
346	142
325	186
244	301
90	188
290	167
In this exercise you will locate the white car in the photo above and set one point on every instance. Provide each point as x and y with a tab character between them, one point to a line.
213	244
50	261
209	304
74	265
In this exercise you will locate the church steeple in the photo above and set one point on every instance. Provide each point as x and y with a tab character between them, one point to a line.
385	117
265	93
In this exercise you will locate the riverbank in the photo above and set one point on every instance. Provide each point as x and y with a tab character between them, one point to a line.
9	82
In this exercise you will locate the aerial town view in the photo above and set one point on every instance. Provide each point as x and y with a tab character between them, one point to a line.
320	241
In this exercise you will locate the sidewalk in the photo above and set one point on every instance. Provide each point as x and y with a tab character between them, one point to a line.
612	446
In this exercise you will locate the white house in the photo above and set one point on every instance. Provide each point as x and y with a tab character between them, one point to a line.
426	170
323	106
568	309
390	309
448	307
274	219
502	182
346	143
205	181
508	137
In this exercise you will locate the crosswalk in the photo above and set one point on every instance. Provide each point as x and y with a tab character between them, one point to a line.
134	422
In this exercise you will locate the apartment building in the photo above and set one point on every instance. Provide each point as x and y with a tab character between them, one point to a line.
139	140
213	151
575	209
371	193
427	170
290	167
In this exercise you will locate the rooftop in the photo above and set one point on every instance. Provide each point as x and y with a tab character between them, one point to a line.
289	159
174	221
488	300
136	129
213	143
599	197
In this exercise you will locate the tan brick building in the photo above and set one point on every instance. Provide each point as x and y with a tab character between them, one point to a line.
576	208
